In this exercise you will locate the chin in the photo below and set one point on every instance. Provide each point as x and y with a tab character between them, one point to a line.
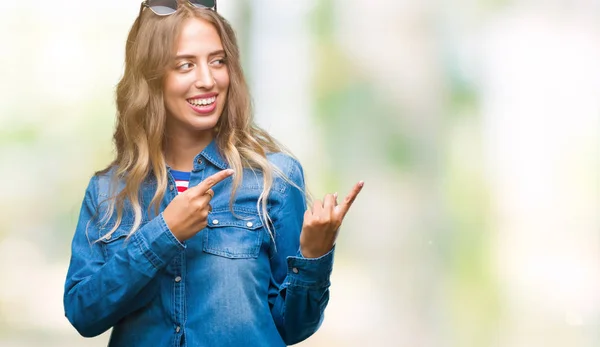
204	124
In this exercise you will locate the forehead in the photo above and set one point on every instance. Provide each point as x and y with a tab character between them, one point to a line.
198	36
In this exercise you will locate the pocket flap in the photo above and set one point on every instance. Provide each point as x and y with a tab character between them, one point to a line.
122	232
226	219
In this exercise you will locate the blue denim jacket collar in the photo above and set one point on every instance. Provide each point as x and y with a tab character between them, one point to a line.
212	154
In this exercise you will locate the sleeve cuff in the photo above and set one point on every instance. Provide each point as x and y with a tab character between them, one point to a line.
310	272
158	243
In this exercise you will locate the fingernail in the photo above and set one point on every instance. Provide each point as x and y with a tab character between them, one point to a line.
335	195
361	183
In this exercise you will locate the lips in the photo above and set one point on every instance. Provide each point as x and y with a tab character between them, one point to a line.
203	101
203	104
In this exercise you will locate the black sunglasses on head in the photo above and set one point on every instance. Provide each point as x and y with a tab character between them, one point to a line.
167	7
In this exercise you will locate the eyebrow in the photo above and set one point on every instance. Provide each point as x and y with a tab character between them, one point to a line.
191	56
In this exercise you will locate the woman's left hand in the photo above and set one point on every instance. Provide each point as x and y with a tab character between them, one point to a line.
322	223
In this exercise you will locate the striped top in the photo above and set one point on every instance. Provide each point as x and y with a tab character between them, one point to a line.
182	180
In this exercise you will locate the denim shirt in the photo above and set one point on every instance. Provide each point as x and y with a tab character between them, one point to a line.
229	285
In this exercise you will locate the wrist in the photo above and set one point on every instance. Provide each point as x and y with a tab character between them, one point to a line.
173	228
312	253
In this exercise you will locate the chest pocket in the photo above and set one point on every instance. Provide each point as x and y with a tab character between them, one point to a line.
230	237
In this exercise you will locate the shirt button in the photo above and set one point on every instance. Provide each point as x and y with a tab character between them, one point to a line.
171	187
295	270
108	237
178	279
199	161
215	221
178	329
249	224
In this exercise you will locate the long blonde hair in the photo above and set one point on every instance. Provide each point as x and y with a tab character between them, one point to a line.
141	116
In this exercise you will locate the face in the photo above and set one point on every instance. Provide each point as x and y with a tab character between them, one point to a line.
196	82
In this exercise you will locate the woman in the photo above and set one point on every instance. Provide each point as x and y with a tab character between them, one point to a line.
197	234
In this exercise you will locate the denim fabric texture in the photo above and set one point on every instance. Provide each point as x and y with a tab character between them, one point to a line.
229	285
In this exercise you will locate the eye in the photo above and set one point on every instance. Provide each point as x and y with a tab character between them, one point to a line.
185	66
218	62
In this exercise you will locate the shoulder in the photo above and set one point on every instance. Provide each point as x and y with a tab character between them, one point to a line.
288	171
93	192
105	179
287	164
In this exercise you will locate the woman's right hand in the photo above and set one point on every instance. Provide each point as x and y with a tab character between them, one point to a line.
186	214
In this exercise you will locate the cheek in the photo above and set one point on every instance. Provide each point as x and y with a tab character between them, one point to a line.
222	80
168	90
176	86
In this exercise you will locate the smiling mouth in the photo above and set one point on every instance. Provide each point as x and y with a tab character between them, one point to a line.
202	102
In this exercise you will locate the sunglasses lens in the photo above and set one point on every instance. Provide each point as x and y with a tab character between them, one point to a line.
205	3
162	7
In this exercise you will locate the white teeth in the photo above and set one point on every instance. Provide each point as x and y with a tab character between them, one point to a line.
202	102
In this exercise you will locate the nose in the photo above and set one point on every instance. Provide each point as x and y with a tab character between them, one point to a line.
204	77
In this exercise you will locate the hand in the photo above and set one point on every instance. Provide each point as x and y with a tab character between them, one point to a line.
186	214
322	223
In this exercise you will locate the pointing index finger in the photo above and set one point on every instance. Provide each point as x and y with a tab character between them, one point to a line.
349	199
212	180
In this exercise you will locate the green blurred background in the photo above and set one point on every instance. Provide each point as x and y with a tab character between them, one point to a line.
475	125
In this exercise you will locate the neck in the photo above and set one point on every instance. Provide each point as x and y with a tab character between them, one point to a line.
181	149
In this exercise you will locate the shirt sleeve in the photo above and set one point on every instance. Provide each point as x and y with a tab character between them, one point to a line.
98	291
299	288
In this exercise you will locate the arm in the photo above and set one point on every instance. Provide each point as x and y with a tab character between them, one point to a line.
299	289
99	292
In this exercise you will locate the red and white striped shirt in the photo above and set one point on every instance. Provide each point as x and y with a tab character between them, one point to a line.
182	180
